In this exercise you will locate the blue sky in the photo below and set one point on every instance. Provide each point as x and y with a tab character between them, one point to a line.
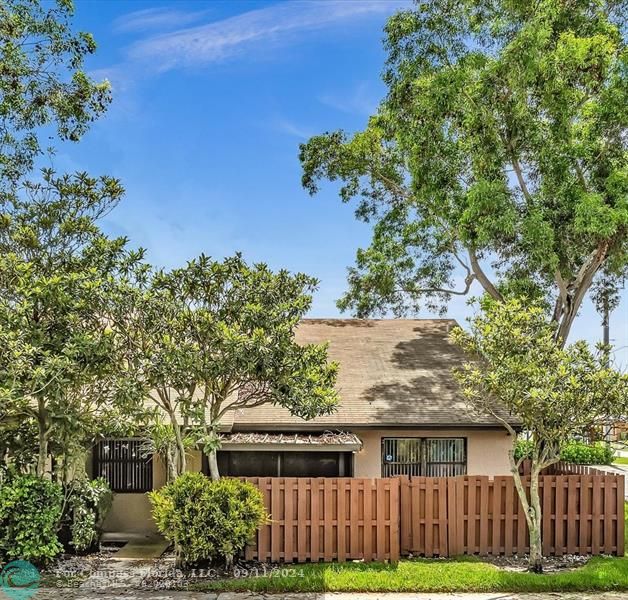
211	100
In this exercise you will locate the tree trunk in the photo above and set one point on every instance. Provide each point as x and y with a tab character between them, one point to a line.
577	290
534	523
42	456
180	462
171	463
212	459
43	435
531	509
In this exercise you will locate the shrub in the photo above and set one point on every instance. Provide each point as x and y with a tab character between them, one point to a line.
207	520
87	506
587	454
30	513
523	449
573	452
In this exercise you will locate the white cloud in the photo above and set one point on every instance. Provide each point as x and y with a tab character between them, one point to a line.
292	129
155	18
219	40
362	100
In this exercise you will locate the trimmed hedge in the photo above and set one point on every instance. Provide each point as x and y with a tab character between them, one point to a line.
207	520
575	452
30	513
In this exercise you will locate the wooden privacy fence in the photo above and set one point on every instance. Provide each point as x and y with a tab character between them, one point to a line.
582	514
381	519
328	519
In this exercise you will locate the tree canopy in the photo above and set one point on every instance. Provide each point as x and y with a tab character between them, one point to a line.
217	336
59	355
42	82
498	153
554	392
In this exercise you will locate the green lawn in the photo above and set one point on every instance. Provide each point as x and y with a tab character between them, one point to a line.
620	460
467	574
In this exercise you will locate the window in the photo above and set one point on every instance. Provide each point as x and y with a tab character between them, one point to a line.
123	464
431	457
265	463
445	457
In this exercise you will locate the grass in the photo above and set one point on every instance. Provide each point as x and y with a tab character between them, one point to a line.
620	460
464	574
625	528
424	575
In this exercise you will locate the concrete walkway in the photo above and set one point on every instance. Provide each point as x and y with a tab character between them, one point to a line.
152	546
78	594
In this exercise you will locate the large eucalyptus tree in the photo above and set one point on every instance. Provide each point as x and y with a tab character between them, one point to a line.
498	156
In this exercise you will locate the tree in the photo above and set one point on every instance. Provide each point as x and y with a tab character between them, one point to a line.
158	358
229	344
499	152
162	439
42	82
554	392
59	357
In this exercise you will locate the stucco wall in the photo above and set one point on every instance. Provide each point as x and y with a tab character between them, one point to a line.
131	512
487	454
487	450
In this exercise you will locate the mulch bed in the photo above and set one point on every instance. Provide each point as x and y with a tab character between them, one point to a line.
551	564
161	573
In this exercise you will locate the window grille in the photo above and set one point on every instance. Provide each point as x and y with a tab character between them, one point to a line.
445	457
431	457
124	465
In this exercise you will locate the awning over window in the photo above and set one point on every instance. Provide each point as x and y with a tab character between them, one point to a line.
332	441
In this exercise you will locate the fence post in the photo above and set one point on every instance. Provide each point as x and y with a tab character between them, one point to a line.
453	547
394	531
405	514
621	492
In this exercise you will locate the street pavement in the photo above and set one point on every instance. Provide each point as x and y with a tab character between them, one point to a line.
81	594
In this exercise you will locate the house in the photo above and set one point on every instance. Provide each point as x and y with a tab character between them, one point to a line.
400	413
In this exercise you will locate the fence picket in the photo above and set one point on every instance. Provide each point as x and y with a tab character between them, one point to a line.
367	548
621	525
379	519
341	521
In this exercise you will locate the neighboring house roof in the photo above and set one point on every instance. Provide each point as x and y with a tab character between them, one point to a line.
393	372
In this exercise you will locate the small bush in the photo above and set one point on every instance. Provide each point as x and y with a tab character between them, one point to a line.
88	505
587	454
573	452
30	513
207	520
523	449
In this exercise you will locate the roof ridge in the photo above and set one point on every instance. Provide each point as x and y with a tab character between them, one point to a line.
385	320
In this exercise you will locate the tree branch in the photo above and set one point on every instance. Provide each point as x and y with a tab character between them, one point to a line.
481	276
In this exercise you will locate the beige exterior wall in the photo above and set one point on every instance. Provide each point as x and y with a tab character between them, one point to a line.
487	454
487	449
130	513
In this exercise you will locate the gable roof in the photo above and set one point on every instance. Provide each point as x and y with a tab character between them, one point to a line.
393	372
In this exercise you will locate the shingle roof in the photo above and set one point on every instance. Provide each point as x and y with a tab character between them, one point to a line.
393	372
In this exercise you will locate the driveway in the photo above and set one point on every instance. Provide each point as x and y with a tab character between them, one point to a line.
78	594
